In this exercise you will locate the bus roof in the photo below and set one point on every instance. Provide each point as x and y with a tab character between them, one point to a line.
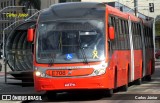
73	10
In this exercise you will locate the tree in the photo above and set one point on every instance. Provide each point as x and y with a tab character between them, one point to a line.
29	4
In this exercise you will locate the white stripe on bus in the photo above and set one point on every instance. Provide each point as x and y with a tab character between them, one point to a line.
132	51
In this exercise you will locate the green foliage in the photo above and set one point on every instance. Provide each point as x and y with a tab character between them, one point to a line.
157	28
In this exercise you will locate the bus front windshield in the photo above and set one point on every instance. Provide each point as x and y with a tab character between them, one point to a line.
70	41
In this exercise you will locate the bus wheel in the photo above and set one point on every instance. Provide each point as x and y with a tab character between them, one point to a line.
138	81
109	93
51	95
148	78
124	88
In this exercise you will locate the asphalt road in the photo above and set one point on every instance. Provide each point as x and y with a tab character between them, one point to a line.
142	91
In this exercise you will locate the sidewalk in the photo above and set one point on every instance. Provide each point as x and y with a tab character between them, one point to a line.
3	69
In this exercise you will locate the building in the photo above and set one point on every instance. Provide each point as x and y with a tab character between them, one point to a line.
8	14
5	21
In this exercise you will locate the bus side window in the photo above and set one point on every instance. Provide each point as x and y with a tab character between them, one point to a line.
132	28
126	34
112	43
117	31
145	37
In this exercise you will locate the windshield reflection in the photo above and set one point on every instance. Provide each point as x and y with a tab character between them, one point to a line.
70	41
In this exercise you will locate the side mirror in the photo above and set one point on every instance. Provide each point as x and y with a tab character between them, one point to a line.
111	33
30	35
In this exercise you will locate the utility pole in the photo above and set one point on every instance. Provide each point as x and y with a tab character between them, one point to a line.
136	7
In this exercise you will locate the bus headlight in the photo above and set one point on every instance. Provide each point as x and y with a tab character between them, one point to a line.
96	72
100	69
43	75
40	74
37	73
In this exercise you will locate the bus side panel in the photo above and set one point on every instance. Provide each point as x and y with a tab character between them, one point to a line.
138	63
120	61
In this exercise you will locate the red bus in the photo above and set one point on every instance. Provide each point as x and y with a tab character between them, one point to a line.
79	46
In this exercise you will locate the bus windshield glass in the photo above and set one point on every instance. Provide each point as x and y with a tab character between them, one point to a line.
70	41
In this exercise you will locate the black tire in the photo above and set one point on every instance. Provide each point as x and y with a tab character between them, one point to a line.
108	93
51	95
138	81
148	78
124	88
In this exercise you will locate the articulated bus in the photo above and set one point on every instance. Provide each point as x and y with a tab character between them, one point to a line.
90	46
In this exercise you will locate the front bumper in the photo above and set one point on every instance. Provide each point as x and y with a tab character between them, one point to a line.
73	83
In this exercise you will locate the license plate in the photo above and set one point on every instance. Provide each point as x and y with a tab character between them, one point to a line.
58	73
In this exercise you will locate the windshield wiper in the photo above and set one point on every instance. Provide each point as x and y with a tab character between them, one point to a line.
83	52
51	61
